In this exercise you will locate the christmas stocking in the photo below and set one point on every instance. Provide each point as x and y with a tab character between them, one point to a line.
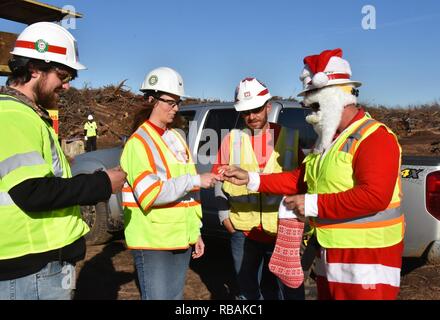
285	262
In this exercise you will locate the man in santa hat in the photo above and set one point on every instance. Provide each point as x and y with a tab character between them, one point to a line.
353	187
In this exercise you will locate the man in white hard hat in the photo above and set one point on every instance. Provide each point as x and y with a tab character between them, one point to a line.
353	187
251	218
90	133
40	222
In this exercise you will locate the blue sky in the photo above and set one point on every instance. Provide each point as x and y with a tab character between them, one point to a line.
214	44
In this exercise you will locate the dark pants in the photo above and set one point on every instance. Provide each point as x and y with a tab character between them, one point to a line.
255	280
91	144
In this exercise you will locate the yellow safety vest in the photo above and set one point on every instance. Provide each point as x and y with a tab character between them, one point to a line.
333	173
149	160
90	127
249	209
35	153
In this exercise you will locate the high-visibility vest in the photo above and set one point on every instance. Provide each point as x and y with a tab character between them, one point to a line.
333	173
34	153
90	127
150	159
249	209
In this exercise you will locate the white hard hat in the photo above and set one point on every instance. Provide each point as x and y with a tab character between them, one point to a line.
250	94
326	69
164	79
49	42
90	117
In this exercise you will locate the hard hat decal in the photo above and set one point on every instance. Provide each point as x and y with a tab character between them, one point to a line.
247	94
49	42
35	46
153	80
41	46
164	79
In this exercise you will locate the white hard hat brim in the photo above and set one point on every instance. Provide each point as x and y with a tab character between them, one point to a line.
74	65
255	103
169	92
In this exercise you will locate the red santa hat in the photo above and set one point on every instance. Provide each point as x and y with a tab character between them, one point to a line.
326	69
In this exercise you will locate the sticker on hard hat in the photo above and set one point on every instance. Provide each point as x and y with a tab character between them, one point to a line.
153	80
247	94
41	46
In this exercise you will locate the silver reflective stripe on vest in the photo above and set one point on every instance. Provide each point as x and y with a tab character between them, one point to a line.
236	145
272	200
291	154
356	135
20	160
160	166
247	198
56	161
255	199
380	216
5	199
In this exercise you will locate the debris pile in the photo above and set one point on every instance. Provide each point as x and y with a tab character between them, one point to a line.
418	128
114	108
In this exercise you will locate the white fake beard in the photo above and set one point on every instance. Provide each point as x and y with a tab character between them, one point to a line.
325	122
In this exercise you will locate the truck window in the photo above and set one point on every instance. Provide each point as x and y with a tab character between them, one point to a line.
217	120
184	119
295	119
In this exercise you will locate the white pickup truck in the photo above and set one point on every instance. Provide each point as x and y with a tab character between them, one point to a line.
420	178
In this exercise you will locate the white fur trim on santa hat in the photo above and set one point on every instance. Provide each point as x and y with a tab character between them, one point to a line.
320	80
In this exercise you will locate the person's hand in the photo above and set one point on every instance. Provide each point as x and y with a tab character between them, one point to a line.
208	180
296	204
199	248
117	178
234	175
85	138
228	225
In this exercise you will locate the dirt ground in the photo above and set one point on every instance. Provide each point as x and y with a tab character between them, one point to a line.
108	273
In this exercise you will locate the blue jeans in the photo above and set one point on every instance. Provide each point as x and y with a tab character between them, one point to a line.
56	281
255	280
162	273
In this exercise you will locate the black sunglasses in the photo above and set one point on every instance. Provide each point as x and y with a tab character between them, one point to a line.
314	106
64	75
171	103
256	110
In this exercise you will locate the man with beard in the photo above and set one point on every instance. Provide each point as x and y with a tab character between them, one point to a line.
40	222
251	218
353	187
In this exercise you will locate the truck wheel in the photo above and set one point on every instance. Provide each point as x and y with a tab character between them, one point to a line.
433	256
96	218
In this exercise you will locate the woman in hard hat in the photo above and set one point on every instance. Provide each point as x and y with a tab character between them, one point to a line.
161	197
